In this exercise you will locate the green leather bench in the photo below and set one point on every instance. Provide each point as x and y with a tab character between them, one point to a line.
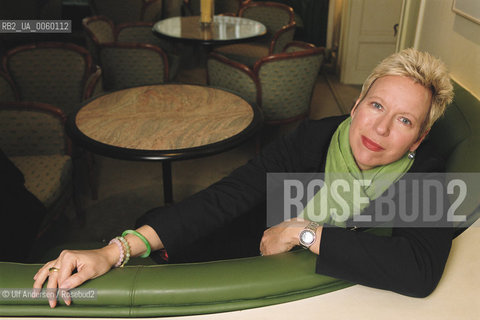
168	290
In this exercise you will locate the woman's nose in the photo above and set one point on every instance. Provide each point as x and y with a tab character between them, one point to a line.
382	126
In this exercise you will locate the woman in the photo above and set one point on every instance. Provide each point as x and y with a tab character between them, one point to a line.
398	104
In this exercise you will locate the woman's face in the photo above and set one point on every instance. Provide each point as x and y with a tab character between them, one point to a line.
387	122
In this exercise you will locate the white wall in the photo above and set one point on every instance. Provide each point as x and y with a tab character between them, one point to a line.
454	39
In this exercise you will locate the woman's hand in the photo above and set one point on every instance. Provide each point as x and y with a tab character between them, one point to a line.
284	236
89	264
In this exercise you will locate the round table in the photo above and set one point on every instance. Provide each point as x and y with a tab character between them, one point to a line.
223	30
163	123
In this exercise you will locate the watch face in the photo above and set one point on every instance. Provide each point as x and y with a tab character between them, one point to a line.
307	237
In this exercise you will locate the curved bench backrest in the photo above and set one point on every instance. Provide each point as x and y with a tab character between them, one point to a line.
457	137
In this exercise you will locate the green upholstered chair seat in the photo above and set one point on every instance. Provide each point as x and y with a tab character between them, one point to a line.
46	176
165	290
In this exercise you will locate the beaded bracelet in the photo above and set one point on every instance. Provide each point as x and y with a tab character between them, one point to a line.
127	249
145	241
122	251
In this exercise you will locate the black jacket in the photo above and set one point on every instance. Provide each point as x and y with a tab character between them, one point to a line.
410	262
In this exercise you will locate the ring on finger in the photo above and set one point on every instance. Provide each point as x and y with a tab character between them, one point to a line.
53	269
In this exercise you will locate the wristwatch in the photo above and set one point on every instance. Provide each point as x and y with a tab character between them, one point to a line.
309	234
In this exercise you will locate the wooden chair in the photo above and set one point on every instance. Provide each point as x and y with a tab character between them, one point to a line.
128	10
280	84
33	137
280	22
132	64
56	73
100	30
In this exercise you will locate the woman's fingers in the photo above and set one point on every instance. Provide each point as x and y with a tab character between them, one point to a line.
42	275
52	286
76	279
56	271
88	264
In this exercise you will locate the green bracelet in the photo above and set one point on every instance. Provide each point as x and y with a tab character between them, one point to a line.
149	249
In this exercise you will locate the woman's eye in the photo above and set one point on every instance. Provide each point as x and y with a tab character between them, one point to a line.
405	121
377	105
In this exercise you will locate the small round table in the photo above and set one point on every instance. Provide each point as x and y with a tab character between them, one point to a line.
163	123
223	30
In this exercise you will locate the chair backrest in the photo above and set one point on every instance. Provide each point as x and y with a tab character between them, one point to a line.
98	30
32	128
221	6
273	15
232	75
139	32
128	10
286	82
49	72
7	88
132	64
457	138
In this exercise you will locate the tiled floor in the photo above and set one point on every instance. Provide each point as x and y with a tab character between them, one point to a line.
127	189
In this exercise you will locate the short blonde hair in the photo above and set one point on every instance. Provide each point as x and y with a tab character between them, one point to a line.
424	69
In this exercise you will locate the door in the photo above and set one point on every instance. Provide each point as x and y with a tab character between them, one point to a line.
369	34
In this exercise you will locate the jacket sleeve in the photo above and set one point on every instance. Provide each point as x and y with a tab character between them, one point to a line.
410	262
229	198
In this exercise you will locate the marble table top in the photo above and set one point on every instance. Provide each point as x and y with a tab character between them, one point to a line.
224	29
165	117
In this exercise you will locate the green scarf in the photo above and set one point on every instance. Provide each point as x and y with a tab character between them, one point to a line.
343	195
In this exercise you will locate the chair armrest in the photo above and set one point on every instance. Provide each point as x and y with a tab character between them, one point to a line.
94	84
232	75
171	290
281	38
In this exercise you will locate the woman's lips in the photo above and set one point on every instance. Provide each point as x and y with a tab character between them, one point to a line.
370	145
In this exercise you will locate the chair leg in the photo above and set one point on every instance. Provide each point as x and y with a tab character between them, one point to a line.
258	142
77	202
79	210
91	175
